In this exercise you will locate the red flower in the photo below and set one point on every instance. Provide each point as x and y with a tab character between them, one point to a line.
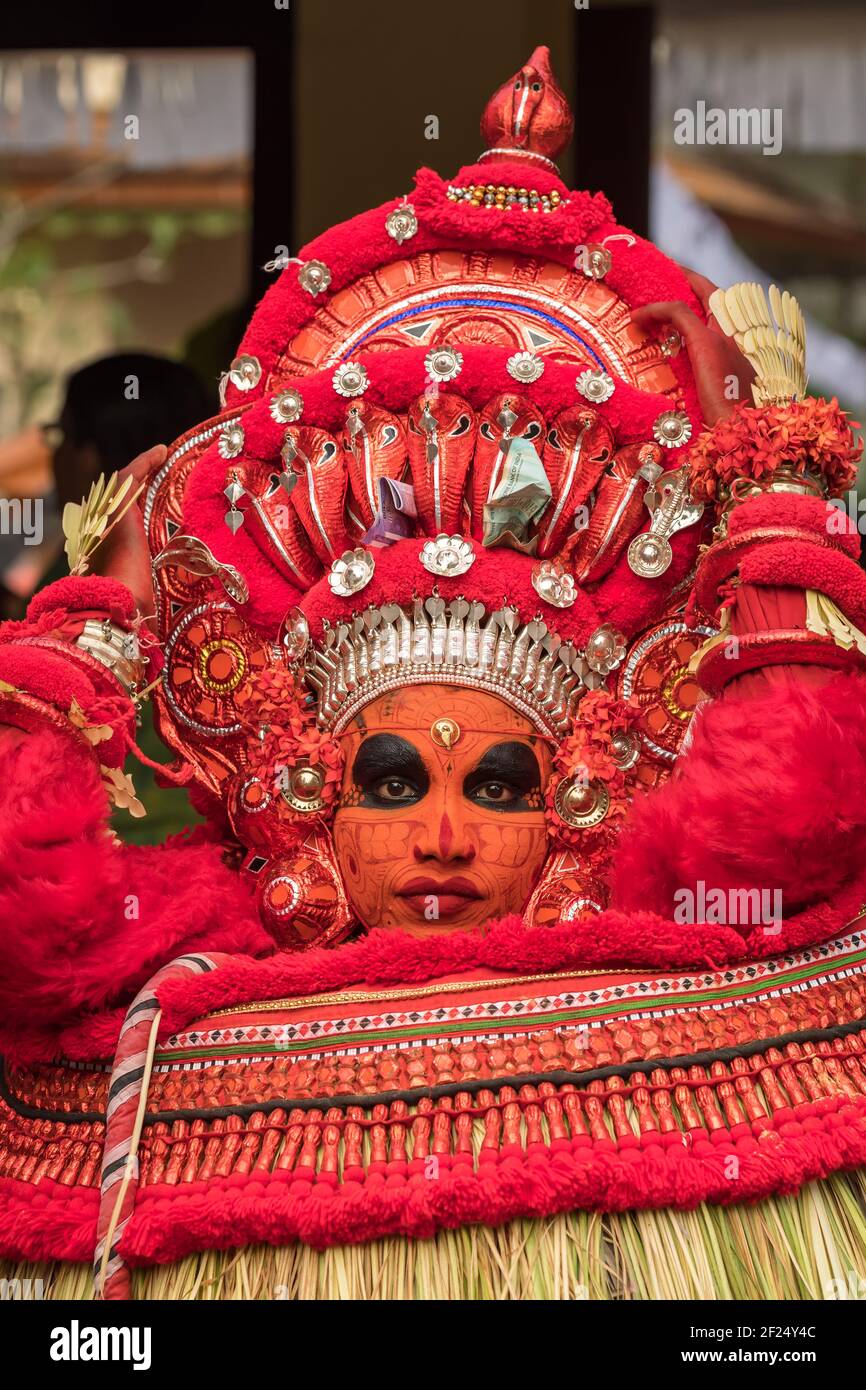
284	735
813	436
588	752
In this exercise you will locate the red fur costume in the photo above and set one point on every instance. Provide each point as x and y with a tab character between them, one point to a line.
766	790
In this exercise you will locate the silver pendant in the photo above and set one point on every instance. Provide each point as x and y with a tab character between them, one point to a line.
672	510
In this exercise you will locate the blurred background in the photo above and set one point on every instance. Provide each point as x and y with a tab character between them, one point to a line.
152	163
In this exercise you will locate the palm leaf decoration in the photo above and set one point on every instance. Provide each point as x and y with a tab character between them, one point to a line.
772	337
86	523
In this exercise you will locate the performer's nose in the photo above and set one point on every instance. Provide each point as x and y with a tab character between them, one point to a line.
445	837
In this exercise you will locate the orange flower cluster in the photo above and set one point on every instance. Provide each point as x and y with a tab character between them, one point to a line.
284	735
755	442
588	754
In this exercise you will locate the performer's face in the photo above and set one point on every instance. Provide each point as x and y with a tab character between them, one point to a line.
431	837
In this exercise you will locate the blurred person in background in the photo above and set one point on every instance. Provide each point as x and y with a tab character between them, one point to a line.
114	409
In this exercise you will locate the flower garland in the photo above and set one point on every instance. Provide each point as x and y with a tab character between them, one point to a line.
286	737
600	753
757	443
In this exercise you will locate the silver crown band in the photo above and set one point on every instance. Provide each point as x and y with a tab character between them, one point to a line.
456	643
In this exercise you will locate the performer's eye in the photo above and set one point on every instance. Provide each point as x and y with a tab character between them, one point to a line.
394	789
495	794
389	772
504	778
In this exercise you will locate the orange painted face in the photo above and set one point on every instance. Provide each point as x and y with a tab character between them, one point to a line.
441	821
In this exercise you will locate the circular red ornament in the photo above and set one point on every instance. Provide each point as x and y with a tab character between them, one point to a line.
210	656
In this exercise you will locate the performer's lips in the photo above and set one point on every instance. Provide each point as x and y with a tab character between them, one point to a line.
434	898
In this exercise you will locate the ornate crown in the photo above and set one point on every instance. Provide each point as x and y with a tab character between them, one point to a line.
457	643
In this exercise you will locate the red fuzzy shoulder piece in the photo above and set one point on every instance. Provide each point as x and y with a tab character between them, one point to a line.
86	921
78	593
769	797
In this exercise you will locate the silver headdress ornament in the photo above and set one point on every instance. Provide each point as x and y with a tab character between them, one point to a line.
456	643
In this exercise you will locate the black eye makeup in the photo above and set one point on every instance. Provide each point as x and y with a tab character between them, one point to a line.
507	778
389	773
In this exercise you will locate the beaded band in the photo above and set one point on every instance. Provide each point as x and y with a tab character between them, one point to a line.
505	196
519	154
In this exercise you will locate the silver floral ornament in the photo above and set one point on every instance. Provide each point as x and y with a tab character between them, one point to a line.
245	372
314	277
352	572
552	582
595	385
443	363
286	406
671	344
351	379
447	555
231	441
605	649
402	223
525	366
672	429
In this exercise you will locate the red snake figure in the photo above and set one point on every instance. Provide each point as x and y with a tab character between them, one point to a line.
507	638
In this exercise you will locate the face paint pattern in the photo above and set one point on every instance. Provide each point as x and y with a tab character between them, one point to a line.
430	839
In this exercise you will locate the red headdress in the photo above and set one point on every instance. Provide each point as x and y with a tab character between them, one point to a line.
445	452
